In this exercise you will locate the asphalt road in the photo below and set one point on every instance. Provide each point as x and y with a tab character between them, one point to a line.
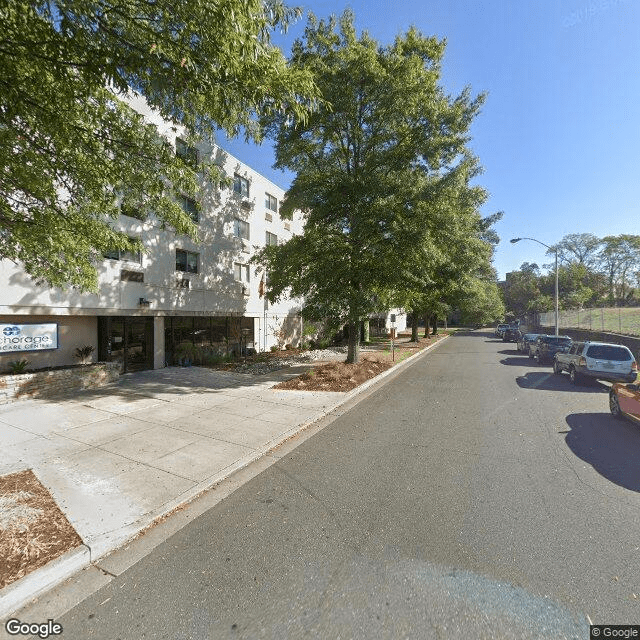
474	495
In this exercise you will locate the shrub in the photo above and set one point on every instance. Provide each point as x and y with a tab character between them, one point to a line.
186	353
274	347
18	366
82	353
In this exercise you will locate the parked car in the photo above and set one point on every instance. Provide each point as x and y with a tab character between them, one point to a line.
500	329
545	347
511	334
598	360
525	340
624	400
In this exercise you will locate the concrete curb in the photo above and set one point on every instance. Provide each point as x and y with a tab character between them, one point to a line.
34	584
20	593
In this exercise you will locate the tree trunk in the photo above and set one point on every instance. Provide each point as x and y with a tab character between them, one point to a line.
353	354
365	330
414	327
426	325
434	325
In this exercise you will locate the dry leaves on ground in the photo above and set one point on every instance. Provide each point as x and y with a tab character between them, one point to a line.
33	530
340	376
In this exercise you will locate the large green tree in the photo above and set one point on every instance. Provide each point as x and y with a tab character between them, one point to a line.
372	167
465	243
71	148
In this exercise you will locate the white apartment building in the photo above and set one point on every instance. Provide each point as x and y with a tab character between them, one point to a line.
176	292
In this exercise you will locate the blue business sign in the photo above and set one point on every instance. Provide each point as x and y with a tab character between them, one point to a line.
28	337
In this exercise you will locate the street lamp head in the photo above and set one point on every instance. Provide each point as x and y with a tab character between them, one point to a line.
515	240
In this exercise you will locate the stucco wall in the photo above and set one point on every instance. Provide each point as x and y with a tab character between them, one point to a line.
73	332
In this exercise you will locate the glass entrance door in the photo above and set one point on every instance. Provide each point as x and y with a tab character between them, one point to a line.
139	344
128	341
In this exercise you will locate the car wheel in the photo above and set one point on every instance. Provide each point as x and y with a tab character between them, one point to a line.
556	368
614	405
574	376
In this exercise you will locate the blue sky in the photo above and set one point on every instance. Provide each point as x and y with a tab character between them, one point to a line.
559	134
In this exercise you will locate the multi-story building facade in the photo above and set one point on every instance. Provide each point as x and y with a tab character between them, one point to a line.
176	292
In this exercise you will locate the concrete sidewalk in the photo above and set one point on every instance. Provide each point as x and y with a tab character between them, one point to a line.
117	458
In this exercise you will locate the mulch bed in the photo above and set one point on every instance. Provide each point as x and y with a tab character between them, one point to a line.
33	530
340	376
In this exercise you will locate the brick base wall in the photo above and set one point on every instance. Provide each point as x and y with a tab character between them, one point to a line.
49	384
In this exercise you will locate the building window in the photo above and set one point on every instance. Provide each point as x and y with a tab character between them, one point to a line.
241	185
188	153
241	272
270	202
186	261
132	211
190	207
121	254
271	239
241	229
131	276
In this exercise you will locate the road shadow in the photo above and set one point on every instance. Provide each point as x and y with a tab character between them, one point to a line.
549	381
610	446
520	360
512	352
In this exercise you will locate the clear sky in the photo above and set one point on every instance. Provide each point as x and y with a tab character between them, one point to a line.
559	134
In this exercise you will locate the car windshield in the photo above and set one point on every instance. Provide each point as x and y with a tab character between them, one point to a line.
608	352
557	340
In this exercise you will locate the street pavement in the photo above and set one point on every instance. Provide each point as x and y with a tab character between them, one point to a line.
473	494
119	457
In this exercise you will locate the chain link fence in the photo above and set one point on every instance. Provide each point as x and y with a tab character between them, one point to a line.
622	320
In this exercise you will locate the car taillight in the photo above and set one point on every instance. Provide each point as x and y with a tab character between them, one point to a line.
634	366
582	361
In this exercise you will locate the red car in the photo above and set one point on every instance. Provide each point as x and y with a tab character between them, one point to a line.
624	401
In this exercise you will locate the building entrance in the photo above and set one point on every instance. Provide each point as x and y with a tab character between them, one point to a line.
127	340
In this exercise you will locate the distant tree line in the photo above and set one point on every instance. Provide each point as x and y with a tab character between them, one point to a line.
592	272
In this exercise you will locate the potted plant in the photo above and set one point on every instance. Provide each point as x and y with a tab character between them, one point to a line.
186	353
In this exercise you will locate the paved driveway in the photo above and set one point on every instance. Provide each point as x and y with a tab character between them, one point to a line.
118	457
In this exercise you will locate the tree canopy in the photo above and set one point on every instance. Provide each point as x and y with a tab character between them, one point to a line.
377	169
592	272
71	148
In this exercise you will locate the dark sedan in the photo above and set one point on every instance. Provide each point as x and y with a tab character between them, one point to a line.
525	341
546	347
511	334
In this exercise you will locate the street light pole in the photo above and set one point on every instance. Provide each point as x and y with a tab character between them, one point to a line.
514	240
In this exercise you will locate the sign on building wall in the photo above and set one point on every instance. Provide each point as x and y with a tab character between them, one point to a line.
28	337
